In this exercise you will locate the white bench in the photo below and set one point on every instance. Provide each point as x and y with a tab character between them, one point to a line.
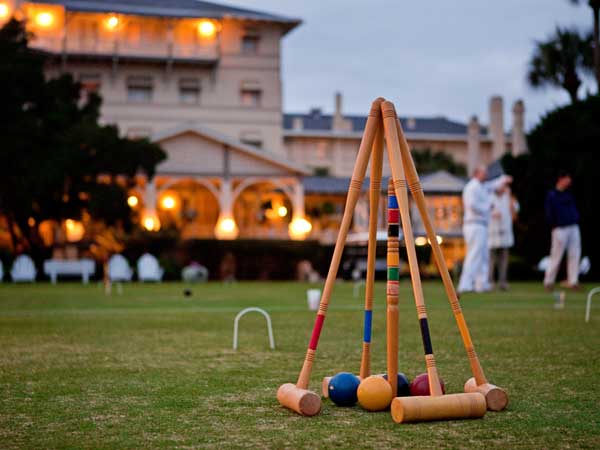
82	267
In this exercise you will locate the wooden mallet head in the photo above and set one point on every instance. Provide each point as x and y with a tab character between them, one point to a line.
303	401
442	407
496	397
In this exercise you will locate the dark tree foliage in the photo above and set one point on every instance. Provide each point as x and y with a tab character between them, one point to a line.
427	161
56	161
561	61
566	139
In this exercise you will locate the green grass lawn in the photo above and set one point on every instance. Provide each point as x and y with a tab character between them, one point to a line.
153	369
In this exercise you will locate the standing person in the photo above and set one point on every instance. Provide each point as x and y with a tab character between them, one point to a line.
500	234
563	217
477	203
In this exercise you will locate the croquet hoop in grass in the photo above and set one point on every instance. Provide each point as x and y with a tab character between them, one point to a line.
244	312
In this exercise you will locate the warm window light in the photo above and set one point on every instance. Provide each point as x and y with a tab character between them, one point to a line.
226	228
151	223
74	230
44	19
133	201
112	22
4	11
207	28
299	228
420	241
168	202
282	211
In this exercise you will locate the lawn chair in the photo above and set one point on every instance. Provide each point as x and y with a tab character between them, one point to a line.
119	269
23	269
149	269
1	271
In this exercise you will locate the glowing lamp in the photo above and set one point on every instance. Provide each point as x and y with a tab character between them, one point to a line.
112	22
74	229
207	28
44	19
168	202
421	241
299	228
133	201
4	11
282	211
226	229
151	223
439	239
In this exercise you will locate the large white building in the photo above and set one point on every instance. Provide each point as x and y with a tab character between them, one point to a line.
204	81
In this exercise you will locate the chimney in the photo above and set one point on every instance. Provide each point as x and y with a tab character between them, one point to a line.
339	123
519	144
473	148
497	127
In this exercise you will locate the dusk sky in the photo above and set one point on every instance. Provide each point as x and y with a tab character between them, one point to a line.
431	57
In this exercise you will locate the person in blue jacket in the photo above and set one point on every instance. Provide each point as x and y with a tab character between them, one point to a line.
563	217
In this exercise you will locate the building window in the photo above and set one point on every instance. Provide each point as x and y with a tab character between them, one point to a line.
139	89
250	97
189	91
252	138
88	33
250	43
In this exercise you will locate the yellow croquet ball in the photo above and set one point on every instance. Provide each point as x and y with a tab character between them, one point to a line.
374	393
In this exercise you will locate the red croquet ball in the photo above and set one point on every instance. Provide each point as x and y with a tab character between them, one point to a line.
420	385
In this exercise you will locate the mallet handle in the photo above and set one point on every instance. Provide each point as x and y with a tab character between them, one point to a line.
374	197
416	190
391	135
358	176
393	279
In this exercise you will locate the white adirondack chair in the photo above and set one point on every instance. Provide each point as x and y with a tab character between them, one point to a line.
148	268
1	271
23	269
119	269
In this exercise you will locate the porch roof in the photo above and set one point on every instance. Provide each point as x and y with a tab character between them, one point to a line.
265	156
433	183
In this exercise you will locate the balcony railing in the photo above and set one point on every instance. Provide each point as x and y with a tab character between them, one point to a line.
123	49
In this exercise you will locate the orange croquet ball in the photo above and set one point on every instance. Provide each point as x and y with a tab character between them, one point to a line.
374	393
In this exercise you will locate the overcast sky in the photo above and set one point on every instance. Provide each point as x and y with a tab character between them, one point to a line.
431	57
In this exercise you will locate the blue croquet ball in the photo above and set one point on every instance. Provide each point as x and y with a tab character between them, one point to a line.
342	389
403	385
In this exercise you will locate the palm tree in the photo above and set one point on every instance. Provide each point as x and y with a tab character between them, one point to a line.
560	60
595	5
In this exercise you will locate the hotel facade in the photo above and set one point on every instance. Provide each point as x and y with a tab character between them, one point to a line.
203	80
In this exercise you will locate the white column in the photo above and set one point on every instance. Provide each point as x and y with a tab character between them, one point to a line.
150	219
299	227
473	145
519	143
226	227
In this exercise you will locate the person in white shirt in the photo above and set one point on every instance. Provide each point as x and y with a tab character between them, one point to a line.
477	203
500	234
